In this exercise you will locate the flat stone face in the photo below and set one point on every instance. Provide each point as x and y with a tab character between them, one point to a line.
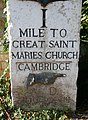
44	53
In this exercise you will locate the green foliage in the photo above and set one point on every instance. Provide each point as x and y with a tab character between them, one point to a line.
84	20
4	94
5	37
84	29
5	1
5	41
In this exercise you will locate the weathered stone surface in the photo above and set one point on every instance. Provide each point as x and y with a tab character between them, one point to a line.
44	53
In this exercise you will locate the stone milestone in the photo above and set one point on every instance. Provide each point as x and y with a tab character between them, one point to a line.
44	53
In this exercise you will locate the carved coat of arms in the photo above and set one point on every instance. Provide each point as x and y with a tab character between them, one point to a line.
44	2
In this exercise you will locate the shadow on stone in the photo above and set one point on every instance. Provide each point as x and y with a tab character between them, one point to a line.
82	82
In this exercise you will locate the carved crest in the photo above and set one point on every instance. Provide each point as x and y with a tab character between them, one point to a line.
44	2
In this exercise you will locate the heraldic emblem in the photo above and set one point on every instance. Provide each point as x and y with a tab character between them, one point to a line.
44	2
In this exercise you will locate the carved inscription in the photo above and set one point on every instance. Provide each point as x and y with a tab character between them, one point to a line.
48	55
